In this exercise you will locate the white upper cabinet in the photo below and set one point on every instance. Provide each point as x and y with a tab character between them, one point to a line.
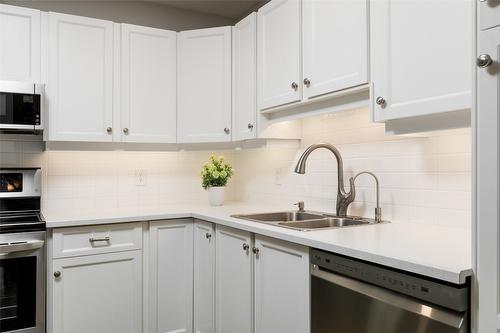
281	286
244	78
148	84
488	150
80	87
489	14
171	276
279	53
204	277
421	62
335	45
204	85
19	44
234	282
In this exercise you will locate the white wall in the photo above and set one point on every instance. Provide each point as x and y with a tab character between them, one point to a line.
133	12
423	179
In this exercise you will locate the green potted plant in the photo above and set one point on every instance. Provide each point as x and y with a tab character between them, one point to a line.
215	174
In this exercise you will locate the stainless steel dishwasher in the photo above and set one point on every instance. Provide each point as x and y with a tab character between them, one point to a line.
351	296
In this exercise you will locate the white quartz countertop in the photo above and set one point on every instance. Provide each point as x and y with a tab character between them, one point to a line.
434	251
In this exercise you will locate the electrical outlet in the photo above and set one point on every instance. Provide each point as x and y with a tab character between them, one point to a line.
140	177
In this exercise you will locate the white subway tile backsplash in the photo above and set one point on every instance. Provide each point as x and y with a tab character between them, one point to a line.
424	179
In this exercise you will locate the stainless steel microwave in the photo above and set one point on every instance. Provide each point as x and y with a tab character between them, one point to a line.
21	106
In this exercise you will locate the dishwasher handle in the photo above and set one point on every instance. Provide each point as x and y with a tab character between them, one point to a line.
442	315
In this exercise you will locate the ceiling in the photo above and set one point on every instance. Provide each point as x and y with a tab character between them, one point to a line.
228	8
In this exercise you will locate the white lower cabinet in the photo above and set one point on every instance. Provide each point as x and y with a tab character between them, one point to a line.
281	286
204	277
191	277
171	276
98	293
234	282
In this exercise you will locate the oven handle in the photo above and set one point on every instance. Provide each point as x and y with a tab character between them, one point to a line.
447	317
18	246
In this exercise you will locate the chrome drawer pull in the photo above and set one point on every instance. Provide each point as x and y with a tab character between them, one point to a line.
102	239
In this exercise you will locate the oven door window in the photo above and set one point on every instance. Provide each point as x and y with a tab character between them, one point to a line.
17	293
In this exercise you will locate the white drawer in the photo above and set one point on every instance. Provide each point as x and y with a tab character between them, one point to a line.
79	241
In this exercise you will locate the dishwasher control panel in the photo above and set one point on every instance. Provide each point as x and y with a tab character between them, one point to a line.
455	297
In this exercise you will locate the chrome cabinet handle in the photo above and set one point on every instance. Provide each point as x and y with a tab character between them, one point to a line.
125	130
250	126
109	130
380	101
208	235
484	60
294	85
246	247
57	274
102	239
307	82
226	130
255	250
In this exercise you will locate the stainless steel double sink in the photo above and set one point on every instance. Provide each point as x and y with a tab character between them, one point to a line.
306	220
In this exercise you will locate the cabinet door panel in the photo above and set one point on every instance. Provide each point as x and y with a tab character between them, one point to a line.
244	78
148	84
80	89
234	283
421	68
98	293
335	45
204	85
171	276
489	14
19	44
488	146
281	286
279	53
204	277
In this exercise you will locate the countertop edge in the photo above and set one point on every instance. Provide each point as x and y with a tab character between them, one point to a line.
456	277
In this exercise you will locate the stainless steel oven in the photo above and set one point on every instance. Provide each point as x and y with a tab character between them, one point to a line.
350	296
21	106
22	252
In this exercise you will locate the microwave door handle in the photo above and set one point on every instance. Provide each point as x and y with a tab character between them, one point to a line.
444	316
20	246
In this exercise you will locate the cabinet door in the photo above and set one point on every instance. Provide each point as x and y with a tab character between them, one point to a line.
244	78
234	285
488	151
80	89
171	276
281	286
98	293
148	84
204	85
204	277
489	14
420	64
279	53
19	44
335	45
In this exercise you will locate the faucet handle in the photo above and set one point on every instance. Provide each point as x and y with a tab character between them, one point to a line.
301	206
378	214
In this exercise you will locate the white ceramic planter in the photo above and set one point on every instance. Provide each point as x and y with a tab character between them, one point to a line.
216	195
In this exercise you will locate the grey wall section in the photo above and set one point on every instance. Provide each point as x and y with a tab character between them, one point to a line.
133	12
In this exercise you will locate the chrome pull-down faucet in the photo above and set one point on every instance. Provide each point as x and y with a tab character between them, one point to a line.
344	198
